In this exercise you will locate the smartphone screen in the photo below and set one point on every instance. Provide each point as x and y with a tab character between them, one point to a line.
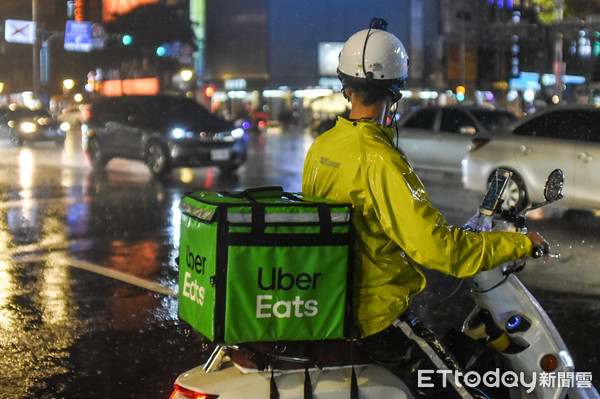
495	190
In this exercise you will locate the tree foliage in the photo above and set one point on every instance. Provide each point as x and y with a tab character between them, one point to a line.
547	10
572	8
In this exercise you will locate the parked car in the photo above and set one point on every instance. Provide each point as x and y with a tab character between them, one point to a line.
558	137
22	124
164	131
74	115
438	138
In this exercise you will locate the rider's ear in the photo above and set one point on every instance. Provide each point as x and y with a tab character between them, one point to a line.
345	92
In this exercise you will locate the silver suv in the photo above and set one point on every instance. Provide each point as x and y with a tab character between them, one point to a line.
164	131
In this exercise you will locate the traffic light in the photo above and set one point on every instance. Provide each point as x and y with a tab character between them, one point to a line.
460	93
127	40
164	50
209	91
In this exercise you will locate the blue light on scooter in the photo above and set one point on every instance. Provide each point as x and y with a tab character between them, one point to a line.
513	322
517	323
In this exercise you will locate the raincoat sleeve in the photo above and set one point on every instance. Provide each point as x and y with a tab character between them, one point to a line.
405	213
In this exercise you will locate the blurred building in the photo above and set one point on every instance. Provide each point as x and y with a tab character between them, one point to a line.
490	50
93	41
253	52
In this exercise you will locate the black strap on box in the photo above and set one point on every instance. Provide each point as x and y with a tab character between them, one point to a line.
274	392
258	208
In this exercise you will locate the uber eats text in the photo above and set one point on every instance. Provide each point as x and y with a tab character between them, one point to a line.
270	282
191	288
277	280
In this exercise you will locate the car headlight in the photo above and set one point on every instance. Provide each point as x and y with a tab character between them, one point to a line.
28	127
177	133
237	133
65	126
44	121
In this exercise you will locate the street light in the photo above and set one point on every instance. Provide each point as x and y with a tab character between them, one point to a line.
186	74
68	84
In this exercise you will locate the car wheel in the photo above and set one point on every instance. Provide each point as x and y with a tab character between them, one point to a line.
157	159
515	194
15	139
94	151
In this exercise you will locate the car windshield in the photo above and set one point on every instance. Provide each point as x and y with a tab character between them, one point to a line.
184	111
493	119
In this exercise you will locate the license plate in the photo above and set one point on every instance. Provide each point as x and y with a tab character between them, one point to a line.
219	155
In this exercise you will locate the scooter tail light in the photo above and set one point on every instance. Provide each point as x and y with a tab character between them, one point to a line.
477	143
183	393
549	363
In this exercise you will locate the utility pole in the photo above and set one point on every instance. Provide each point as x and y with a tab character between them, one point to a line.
558	51
36	49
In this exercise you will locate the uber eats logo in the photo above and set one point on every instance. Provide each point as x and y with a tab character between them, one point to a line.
196	264
275	279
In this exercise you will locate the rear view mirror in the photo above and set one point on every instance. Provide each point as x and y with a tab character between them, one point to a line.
553	191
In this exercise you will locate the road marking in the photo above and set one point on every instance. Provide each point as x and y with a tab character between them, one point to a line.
56	248
37	247
21	202
121	276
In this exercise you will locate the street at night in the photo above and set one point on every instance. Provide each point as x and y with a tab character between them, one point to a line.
88	278
112	111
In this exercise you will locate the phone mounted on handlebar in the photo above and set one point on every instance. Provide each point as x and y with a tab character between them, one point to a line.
492	202
493	197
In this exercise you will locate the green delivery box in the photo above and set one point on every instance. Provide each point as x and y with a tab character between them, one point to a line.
264	265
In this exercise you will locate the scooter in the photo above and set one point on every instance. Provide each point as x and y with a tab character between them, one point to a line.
507	322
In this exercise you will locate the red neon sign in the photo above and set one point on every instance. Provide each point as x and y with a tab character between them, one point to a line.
79	10
113	8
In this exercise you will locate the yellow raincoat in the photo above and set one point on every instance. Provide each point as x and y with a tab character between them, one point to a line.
397	227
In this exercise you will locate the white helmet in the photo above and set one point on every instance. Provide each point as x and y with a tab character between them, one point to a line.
374	56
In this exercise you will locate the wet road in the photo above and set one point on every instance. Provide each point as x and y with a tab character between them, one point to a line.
88	276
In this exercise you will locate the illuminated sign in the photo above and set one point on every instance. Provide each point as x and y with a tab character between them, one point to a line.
78	36
17	31
114	8
79	10
144	86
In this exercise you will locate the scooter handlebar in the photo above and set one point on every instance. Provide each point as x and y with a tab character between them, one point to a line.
539	252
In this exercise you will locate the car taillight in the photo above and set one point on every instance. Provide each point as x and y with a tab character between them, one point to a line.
477	143
86	114
182	393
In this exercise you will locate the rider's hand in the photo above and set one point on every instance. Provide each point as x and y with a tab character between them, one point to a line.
540	245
